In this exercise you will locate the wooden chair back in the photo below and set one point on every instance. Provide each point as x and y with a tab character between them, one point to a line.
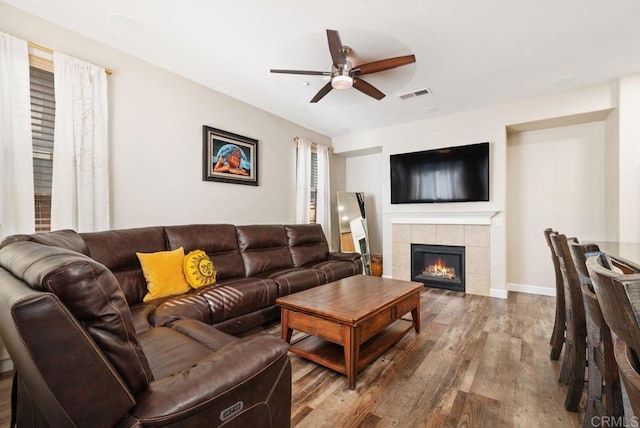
629	372
557	335
574	363
619	297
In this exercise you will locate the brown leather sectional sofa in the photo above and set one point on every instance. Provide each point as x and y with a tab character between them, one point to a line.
89	352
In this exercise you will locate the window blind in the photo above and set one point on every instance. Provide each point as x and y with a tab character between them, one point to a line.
42	121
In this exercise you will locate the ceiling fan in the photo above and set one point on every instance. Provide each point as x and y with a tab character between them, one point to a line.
344	75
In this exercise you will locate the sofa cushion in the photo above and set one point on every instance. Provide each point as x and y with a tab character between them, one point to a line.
228	299
170	351
198	269
186	306
140	315
244	323
209	336
116	249
219	241
263	248
307	243
292	280
91	293
164	273
335	269
240	296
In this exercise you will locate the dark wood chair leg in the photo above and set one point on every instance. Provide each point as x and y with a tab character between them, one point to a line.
576	378
557	337
567	364
558	333
612	383
594	408
568	360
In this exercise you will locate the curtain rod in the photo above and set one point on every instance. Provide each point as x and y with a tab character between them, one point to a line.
50	51
295	140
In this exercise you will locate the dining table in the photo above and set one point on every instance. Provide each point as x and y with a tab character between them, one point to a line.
623	250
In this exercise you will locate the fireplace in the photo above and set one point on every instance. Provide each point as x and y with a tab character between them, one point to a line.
439	266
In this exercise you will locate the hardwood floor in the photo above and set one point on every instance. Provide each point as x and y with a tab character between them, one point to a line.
477	361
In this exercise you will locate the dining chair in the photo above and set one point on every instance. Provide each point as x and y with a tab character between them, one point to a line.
575	349
617	286
619	296
557	336
604	394
628	366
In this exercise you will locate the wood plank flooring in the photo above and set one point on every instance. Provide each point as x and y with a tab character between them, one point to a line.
478	362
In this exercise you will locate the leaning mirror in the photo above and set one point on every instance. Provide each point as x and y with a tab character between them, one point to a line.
354	235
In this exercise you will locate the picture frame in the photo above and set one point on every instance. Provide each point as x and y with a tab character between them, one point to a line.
228	157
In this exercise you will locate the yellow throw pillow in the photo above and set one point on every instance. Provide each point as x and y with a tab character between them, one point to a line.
199	269
163	272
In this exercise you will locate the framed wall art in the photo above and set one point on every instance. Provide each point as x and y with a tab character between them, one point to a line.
230	158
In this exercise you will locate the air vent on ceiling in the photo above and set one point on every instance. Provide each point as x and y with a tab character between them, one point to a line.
425	91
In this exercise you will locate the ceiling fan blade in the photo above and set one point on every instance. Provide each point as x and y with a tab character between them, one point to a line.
336	49
322	92
384	64
367	88
312	73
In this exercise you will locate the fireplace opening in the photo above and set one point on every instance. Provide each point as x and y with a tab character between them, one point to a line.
439	266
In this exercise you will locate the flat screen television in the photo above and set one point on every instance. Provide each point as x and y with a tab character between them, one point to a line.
452	174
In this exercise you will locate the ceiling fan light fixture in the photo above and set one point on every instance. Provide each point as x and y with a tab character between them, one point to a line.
342	82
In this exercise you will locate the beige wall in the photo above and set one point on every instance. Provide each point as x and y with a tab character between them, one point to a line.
611	194
364	175
555	178
156	120
487	124
155	141
629	159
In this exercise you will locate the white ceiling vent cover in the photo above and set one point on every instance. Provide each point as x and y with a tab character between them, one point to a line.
419	92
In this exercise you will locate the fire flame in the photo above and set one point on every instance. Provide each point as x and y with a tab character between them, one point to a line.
439	266
440	269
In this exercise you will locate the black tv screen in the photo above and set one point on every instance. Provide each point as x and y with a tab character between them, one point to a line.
452	174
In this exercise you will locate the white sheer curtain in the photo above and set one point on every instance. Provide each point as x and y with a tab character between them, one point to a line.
303	181
80	180
17	213
323	198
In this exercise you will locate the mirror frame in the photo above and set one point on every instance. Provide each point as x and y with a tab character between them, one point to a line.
352	214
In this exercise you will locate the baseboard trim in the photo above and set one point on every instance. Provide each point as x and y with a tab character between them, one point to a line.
531	289
499	293
6	366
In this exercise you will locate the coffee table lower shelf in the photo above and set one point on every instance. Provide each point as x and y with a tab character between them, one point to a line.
331	355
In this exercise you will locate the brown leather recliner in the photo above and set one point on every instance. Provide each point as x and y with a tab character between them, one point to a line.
79	361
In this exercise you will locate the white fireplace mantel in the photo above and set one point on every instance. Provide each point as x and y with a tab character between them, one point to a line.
442	217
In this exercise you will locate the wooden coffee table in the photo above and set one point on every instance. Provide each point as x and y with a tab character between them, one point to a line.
361	314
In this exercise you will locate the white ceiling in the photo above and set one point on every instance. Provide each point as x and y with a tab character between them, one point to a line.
470	53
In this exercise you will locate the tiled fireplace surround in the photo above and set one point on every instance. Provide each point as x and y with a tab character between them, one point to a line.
475	238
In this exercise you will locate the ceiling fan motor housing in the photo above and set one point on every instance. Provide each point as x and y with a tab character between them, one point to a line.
341	77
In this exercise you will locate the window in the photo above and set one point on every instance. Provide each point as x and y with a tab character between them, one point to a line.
312	183
314	186
42	120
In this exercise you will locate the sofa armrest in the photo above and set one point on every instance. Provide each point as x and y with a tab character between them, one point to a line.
254	371
207	335
349	257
